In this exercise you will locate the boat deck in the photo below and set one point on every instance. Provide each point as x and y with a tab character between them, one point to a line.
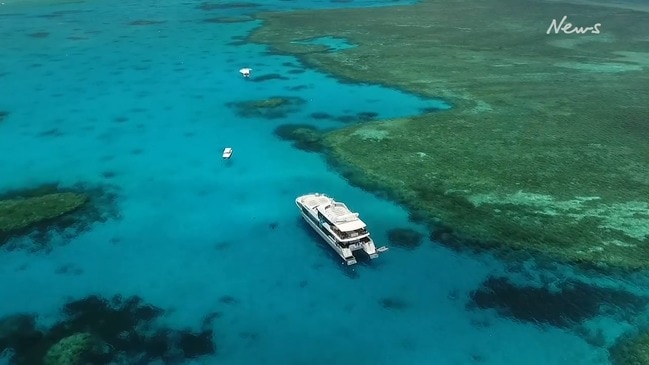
335	212
313	201
339	213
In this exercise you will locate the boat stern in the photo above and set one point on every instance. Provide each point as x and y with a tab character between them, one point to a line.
348	256
370	249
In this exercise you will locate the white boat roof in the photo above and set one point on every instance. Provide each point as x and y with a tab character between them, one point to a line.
313	200
343	218
351	226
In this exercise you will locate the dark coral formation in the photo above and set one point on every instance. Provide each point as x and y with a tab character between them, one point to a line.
358	118
39	212
303	136
100	331
3	115
393	303
267	77
52	132
405	238
61	13
146	22
562	305
39	34
271	108
321	116
207	6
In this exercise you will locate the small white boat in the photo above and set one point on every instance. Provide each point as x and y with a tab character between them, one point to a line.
338	226
227	153
245	71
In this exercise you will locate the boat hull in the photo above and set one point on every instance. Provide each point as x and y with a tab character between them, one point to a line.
349	260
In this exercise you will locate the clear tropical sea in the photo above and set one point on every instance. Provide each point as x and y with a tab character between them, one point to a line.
134	97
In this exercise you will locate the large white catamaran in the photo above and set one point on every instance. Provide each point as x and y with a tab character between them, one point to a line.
338	226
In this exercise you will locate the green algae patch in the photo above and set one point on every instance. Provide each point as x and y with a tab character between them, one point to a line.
70	350
39	213
545	149
23	213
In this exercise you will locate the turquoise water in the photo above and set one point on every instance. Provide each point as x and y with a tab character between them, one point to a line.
142	109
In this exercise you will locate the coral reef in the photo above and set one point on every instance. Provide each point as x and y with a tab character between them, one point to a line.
271	108
37	212
631	349
3	115
18	329
71	350
17	214
303	136
562	305
100	331
405	238
537	154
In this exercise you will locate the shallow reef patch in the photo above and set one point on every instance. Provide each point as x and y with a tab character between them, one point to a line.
268	77
405	238
146	22
108	174
393	303
358	118
303	136
39	34
50	208
565	304
321	116
270	108
61	13
3	115
53	132
98	330
228	299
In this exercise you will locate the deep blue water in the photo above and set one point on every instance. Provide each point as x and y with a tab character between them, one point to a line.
90	96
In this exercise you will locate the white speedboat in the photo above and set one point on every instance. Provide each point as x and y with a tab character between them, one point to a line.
227	153
245	72
338	226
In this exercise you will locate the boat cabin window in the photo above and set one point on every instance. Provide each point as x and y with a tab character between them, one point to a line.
352	234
